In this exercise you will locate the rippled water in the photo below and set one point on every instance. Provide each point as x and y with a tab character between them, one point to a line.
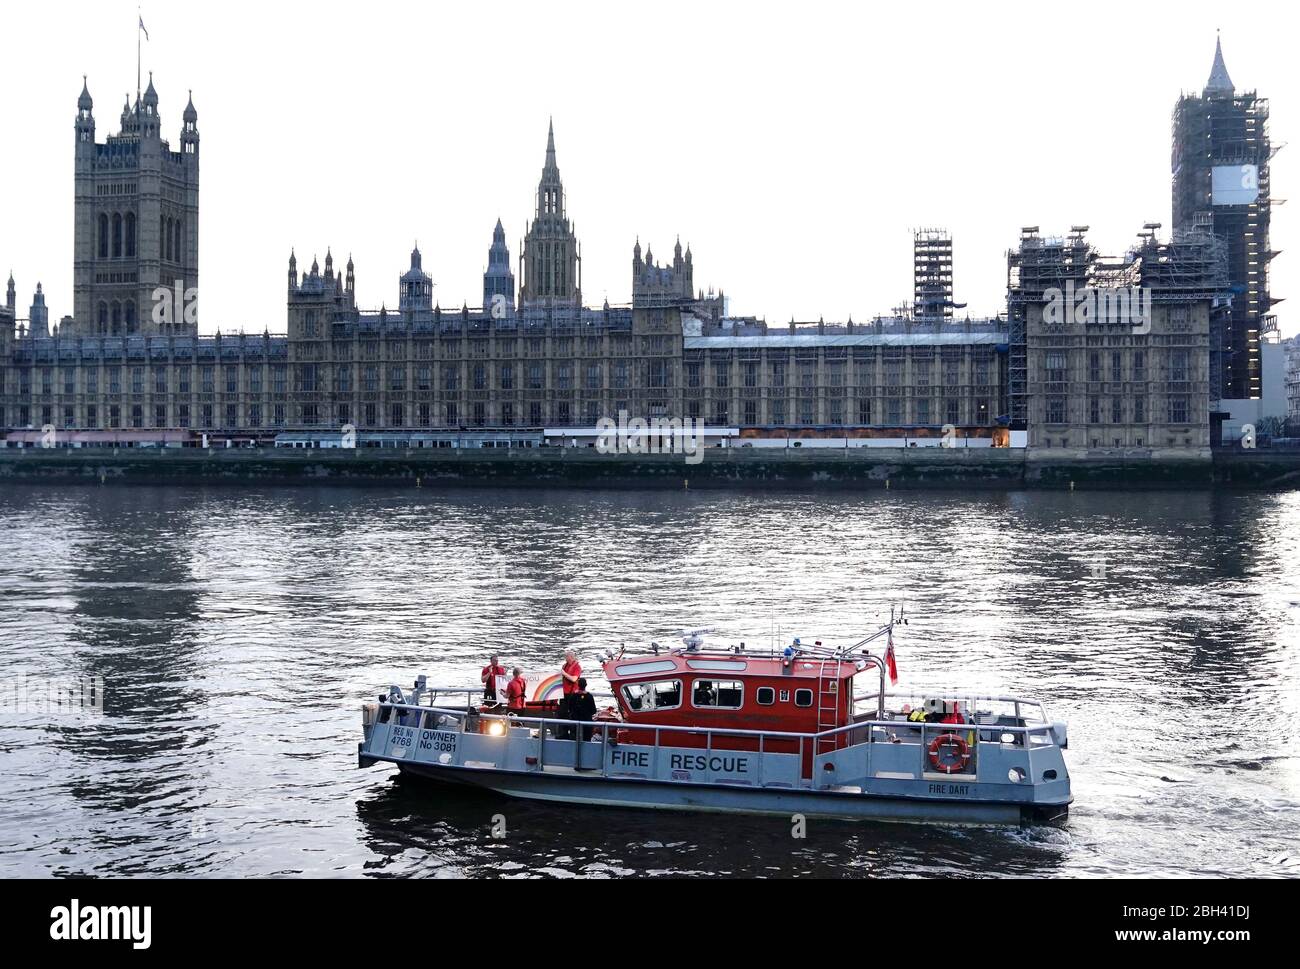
237	631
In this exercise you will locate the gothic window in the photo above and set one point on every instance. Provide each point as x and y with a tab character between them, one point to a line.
103	236
117	316
1056	366
1178	366
103	315
129	313
177	248
167	237
117	236
130	235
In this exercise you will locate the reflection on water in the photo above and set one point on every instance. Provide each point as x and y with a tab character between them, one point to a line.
238	630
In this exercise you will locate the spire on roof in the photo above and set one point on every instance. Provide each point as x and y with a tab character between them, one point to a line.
85	102
1219	82
550	144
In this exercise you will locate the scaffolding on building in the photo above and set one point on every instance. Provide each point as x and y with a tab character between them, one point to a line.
932	275
1216	129
1038	265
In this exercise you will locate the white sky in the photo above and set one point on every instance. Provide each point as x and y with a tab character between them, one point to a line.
795	146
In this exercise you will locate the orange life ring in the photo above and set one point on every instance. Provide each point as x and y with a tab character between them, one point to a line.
949	740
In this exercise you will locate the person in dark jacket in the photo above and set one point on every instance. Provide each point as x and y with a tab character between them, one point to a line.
489	678
582	706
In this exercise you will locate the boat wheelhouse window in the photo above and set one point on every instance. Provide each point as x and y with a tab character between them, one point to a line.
766	696
660	695
803	698
637	669
719	694
717	665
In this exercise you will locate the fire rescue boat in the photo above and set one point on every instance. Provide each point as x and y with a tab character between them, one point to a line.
708	728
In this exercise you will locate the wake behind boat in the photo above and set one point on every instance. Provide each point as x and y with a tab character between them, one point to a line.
704	728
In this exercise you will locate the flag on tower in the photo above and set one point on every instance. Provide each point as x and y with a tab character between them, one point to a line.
142	28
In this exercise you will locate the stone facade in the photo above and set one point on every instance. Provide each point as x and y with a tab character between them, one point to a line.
136	222
539	358
1101	380
551	261
543	366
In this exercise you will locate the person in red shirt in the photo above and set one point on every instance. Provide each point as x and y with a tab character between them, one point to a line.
489	678
571	673
517	693
955	716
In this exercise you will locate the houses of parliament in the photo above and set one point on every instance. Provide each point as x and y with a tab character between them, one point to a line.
531	355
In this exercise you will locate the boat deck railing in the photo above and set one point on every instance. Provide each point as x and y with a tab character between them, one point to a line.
865	748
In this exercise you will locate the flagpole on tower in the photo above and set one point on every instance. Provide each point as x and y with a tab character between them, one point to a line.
139	30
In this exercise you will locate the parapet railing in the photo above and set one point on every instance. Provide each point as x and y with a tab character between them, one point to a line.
806	745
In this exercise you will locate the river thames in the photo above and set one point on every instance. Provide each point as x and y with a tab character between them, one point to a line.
238	630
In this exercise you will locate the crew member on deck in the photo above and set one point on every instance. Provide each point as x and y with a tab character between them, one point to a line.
572	673
489	678
582	706
517	693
